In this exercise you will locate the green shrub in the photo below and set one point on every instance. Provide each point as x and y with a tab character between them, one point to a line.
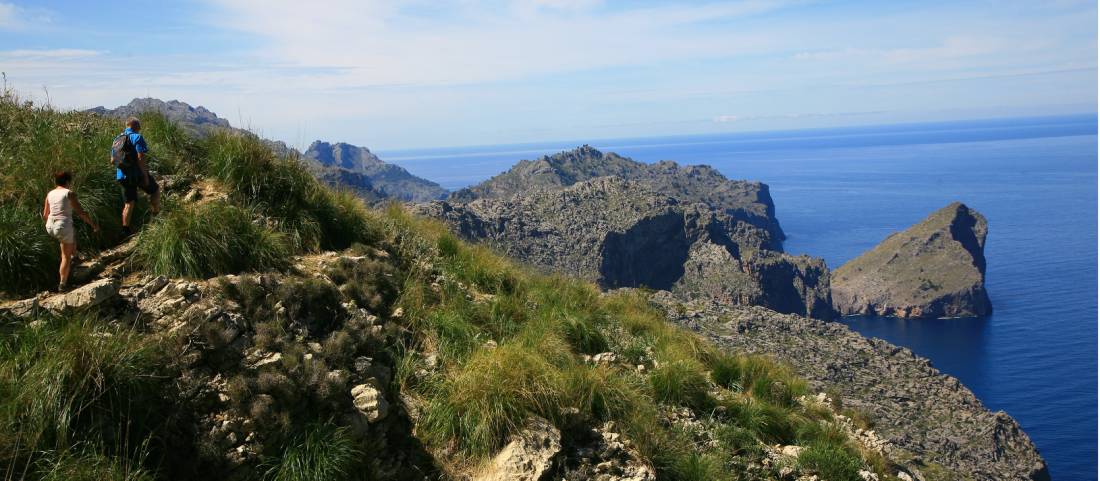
491	395
699	467
321	452
207	240
681	382
89	465
28	256
830	462
73	382
313	217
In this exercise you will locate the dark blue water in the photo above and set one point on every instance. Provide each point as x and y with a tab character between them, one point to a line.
838	192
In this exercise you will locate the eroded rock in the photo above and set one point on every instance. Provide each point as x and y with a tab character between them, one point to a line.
527	456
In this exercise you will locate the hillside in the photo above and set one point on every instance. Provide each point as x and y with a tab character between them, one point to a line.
264	326
341	165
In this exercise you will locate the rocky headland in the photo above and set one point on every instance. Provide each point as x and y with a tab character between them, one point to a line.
935	268
928	421
392	181
744	201
623	233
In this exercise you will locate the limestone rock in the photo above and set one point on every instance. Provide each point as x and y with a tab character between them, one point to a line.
88	295
933	269
621	233
744	201
527	456
921	416
370	401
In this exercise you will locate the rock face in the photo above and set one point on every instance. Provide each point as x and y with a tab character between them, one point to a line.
931	424
933	269
196	120
393	182
342	165
743	201
527	456
620	233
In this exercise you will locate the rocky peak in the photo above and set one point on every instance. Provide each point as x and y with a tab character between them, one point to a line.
197	119
343	155
748	202
935	268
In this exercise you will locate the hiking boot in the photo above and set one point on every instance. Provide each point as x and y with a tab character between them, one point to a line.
126	231
62	287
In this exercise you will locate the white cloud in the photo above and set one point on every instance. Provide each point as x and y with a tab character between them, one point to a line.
387	43
9	16
60	53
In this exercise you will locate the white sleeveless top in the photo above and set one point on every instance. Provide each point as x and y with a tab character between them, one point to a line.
60	207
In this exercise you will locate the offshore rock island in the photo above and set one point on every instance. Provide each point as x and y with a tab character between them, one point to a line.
935	268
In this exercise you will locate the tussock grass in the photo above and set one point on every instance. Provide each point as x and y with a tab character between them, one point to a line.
831	462
311	215
541	327
207	240
78	399
322	451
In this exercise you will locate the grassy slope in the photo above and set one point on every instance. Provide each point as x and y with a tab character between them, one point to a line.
78	404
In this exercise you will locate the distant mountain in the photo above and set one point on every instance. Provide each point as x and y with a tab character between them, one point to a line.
749	202
340	165
392	181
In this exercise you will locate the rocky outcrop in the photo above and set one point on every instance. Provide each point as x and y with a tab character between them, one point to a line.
929	422
390	181
743	201
620	233
196	120
935	268
527	456
341	165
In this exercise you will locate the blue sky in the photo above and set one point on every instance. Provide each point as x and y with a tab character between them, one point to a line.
422	73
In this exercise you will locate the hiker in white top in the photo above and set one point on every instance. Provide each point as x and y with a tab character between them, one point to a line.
58	211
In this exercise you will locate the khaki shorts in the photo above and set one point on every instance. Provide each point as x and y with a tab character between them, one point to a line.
61	230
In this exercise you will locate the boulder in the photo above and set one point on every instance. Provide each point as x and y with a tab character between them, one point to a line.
88	295
935	268
527	456
370	402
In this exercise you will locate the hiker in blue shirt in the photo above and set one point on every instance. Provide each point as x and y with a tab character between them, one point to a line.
128	156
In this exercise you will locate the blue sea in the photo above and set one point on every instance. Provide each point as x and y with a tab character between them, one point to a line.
840	191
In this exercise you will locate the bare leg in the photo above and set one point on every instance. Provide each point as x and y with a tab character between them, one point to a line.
67	250
154	202
127	208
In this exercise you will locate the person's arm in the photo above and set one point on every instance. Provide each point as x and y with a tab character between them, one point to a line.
46	209
80	212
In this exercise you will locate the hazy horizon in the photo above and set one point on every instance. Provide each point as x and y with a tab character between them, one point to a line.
399	75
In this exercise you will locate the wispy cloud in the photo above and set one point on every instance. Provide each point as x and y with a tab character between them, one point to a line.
387	43
59	53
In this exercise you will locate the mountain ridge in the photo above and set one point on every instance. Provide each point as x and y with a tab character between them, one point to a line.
365	173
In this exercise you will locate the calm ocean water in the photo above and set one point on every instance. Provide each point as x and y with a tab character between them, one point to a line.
838	192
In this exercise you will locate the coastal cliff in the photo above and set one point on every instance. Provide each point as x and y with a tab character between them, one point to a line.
744	201
620	233
935	268
927	421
